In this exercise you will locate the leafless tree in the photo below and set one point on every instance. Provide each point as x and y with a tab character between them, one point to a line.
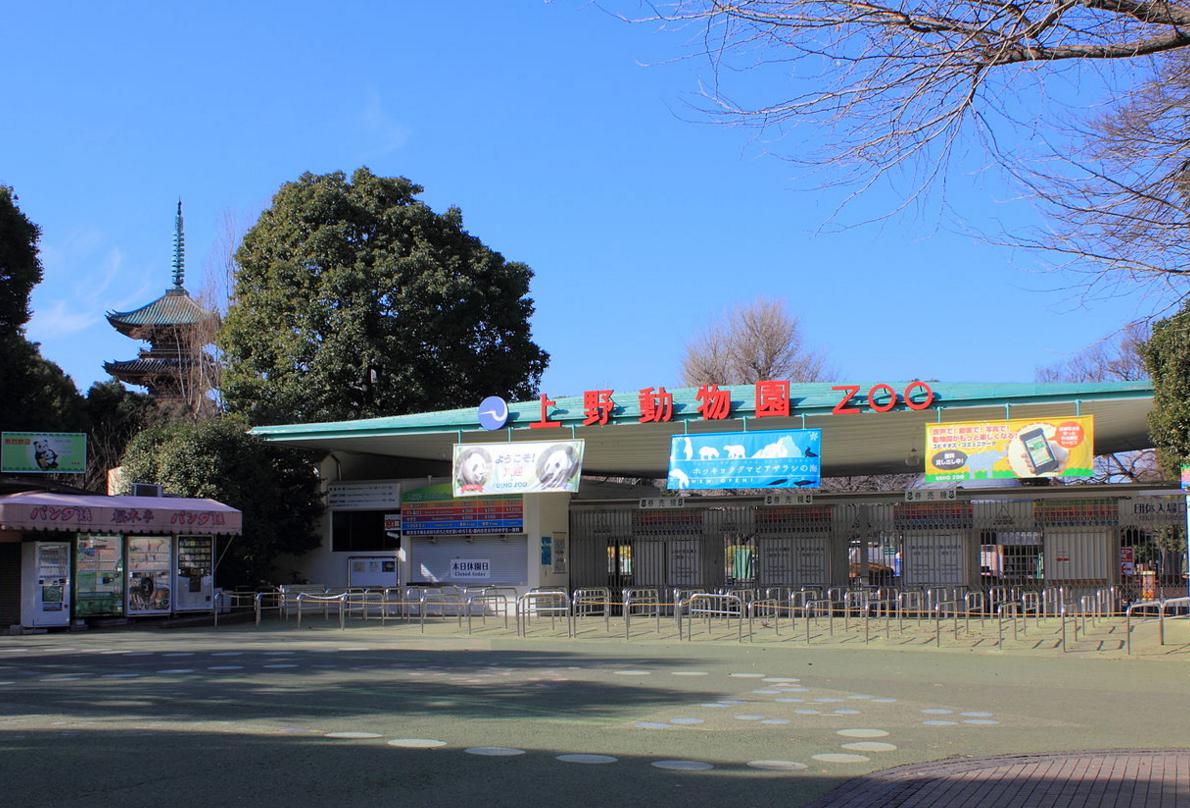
757	342
1115	358
901	87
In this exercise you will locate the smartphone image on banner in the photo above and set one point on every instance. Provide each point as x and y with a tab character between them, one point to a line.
1037	449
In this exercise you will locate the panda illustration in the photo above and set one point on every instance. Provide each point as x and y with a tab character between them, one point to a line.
557	465
45	457
474	469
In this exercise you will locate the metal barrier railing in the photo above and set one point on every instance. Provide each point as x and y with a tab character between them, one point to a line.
550	602
1144	604
303	598
708	605
648	604
765	609
1013	609
951	606
1183	603
483	599
593	602
882	608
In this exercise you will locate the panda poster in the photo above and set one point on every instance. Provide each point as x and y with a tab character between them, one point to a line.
789	458
529	467
43	453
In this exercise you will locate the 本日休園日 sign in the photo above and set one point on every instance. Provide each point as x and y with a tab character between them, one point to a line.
1024	447
528	467
766	459
470	569
43	453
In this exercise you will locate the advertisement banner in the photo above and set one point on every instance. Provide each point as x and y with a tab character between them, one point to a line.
43	453
770	459
1023	447
516	468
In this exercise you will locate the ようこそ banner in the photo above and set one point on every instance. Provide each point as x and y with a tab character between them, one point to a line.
482	469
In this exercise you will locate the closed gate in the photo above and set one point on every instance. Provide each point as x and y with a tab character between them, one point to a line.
932	559
794	562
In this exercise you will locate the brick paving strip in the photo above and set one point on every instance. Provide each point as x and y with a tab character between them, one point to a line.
1125	778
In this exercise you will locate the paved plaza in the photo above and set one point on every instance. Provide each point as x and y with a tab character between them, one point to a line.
383	715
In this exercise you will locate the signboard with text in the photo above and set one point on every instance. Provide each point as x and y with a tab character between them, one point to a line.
43	453
529	467
433	511
767	459
1026	447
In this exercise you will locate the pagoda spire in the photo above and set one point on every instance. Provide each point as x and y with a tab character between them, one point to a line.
179	250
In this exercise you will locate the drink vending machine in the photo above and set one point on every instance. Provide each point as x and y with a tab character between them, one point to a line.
45	589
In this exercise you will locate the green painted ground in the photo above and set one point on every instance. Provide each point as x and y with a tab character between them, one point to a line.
240	716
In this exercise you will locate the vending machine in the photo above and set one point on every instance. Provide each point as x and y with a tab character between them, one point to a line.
149	578
45	584
194	584
99	576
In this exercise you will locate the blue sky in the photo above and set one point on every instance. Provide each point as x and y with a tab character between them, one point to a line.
569	141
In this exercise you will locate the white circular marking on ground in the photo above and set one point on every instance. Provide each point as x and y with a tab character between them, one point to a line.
173	671
731	702
767	692
840	757
278	653
777	765
352	735
494	751
674	673
685	721
138	653
280	665
827	700
225	667
748	717
860	697
356	648
7	683
976	715
780	679
789	700
588	759
885	700
775	721
846	711
60	678
807	712
870	746
179	653
120	675
14	650
981	722
936	711
744	676
651	725
682	765
863	733
939	723
714	705
630	673
416	743
228	653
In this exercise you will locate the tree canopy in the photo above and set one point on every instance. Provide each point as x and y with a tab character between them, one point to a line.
757	342
20	266
353	299
898	89
1167	356
275	488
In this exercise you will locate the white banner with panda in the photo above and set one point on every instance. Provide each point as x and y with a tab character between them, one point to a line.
530	467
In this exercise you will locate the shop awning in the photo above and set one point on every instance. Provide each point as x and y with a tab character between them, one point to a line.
99	514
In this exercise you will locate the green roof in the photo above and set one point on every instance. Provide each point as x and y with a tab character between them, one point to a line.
811	399
175	308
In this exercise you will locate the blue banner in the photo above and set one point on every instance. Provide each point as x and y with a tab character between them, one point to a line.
777	459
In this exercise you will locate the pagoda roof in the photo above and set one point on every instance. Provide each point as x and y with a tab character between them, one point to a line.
142	367
174	308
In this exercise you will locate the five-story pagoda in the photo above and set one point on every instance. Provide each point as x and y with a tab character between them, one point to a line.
175	368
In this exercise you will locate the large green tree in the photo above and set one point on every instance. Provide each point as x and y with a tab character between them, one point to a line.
35	395
353	298
20	267
1167	357
275	488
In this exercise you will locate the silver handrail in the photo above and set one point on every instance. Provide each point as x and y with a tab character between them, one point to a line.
554	601
724	602
340	599
1144	604
1161	614
1015	610
644	598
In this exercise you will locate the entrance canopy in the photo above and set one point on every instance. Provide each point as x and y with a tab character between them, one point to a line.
98	514
857	437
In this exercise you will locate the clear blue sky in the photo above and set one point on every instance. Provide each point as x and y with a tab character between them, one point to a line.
565	136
